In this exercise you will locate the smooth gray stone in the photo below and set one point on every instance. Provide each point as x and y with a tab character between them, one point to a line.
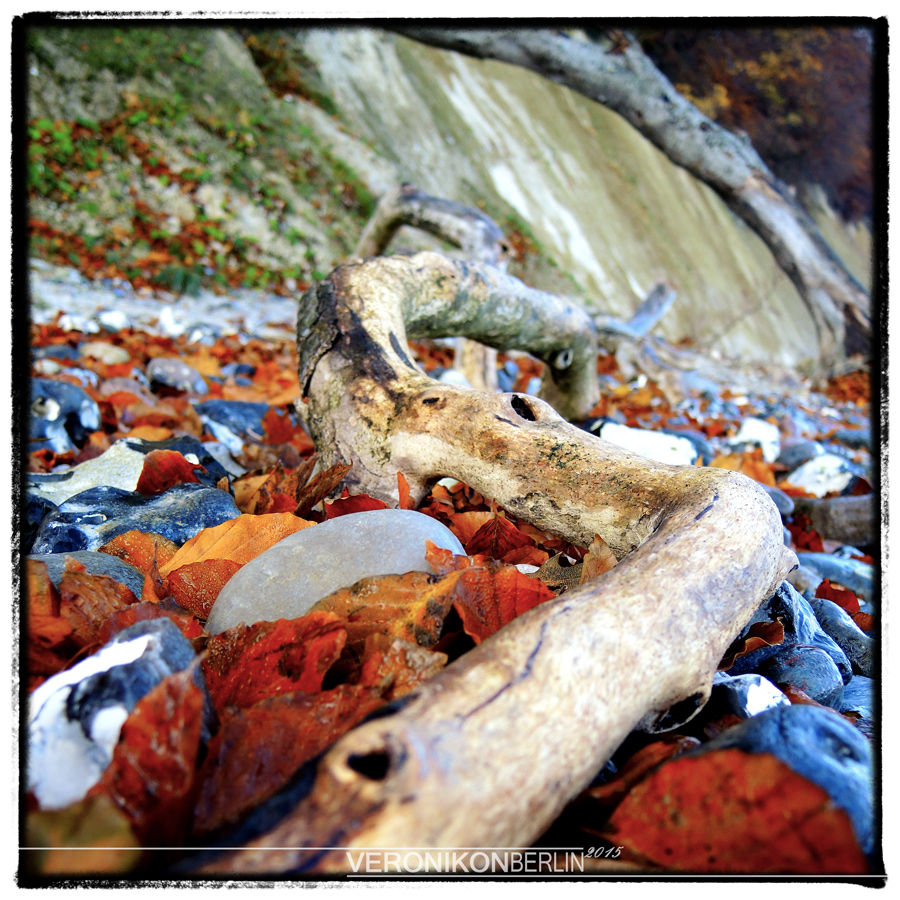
854	575
94	564
819	745
782	501
856	644
859	697
176	374
809	669
851	520
800	628
858	438
795	455
289	578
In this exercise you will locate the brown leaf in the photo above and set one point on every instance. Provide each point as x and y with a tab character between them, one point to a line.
727	811
320	487
151	776
91	837
247	663
759	634
277	429
846	600
86	601
396	666
51	637
141	612
411	606
258	748
489	594
597	560
403	489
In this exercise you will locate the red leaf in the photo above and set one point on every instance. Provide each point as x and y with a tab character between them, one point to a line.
151	776
278	429
496	538
845	599
730	811
196	585
258	748
347	504
141	612
250	662
488	594
396	666
164	469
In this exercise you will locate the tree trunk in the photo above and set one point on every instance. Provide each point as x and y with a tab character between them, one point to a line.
619	75
488	752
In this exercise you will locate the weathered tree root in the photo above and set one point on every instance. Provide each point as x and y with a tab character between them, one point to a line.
487	753
476	234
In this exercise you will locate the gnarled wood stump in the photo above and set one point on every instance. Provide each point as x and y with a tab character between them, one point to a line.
489	751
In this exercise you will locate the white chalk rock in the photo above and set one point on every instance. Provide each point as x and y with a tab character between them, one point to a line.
655	445
822	475
289	578
760	432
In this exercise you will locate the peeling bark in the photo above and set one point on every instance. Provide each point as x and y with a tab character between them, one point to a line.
619	75
489	751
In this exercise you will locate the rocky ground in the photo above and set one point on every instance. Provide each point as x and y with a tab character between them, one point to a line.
166	457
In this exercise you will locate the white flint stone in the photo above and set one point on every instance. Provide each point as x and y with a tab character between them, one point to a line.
63	762
822	475
107	353
656	445
758	431
119	467
289	578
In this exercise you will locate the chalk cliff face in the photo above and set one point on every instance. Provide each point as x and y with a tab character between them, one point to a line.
602	201
594	210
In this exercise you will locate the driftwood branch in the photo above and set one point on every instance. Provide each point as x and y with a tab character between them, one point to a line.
475	233
615	72
488	752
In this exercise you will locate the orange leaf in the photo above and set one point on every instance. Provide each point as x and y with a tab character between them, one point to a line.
465	524
403	489
411	606
150	433
152	772
730	811
845	599
147	552
250	662
597	560
51	638
164	469
497	537
238	540
258	748
863	620
196	586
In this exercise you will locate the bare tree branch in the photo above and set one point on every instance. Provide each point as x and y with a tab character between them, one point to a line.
619	75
